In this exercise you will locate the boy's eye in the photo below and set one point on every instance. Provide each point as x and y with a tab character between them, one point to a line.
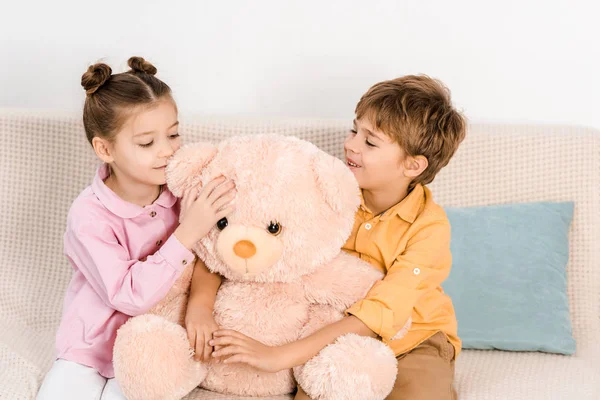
175	135
146	144
369	143
354	131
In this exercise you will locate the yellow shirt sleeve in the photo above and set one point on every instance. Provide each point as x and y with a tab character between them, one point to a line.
422	267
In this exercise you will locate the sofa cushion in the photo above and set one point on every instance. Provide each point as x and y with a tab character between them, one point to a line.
501	375
508	281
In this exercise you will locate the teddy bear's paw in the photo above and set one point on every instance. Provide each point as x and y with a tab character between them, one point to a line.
153	360
352	368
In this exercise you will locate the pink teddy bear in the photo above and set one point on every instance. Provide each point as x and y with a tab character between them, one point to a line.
284	278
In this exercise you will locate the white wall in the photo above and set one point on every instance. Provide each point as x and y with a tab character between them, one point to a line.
505	60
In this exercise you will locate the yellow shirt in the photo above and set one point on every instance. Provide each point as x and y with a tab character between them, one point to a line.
410	244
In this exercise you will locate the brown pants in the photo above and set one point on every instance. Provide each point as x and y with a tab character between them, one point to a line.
426	372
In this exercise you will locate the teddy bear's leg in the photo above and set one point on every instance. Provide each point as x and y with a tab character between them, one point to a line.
153	360
352	368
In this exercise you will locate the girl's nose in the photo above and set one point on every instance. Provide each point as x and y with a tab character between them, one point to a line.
166	150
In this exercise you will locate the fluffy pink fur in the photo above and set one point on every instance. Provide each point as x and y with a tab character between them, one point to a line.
313	196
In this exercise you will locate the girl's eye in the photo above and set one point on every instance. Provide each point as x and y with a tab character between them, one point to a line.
175	135
353	131
146	144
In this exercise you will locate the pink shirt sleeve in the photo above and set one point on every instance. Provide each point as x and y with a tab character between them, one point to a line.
129	286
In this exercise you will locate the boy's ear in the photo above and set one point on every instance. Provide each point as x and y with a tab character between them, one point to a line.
184	168
414	166
335	181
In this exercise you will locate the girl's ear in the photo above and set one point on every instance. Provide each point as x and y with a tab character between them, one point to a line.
185	167
102	149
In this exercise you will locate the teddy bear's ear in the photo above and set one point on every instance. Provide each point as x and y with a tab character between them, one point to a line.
336	182
185	166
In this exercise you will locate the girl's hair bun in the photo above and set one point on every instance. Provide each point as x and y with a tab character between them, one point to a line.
95	77
139	65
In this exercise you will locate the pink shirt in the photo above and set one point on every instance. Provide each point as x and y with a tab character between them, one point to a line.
125	258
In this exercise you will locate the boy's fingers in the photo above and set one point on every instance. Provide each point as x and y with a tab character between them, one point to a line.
226	341
229	332
229	350
238	358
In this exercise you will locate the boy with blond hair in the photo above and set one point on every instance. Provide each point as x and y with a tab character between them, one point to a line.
406	130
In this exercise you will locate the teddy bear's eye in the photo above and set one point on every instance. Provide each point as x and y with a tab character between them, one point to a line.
274	228
222	223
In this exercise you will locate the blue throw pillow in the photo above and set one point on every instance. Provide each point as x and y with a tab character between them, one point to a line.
508	281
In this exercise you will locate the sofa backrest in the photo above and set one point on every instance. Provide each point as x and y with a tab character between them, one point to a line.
45	161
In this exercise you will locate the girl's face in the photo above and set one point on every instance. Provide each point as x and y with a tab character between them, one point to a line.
145	142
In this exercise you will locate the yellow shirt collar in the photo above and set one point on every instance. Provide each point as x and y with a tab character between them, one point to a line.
408	208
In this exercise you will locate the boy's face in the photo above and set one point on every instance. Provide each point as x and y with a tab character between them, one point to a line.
373	157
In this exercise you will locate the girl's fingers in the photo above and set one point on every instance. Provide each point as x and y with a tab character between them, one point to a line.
191	334
208	349
208	189
192	339
225	211
186	202
220	191
199	346
224	200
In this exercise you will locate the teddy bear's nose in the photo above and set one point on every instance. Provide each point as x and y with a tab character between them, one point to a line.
244	249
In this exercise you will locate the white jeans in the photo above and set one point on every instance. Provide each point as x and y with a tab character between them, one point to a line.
68	380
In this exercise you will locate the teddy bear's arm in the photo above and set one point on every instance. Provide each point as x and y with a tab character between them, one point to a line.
340	283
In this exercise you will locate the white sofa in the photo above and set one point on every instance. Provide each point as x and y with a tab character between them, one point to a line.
45	162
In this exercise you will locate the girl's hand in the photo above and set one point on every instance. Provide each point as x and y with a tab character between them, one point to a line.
237	347
189	196
200	325
199	214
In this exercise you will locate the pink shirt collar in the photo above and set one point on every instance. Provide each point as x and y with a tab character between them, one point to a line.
120	207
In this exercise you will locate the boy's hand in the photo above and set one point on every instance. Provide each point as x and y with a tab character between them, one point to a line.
200	325
237	347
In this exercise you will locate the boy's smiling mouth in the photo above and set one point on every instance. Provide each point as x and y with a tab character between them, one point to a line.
351	163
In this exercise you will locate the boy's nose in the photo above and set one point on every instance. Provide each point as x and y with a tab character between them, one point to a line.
349	146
